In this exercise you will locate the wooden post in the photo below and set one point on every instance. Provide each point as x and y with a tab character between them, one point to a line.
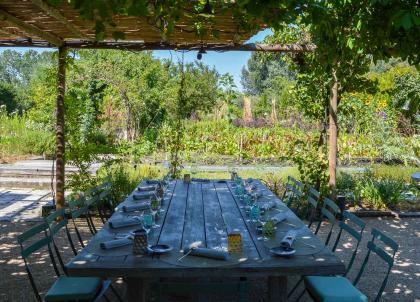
59	129
332	156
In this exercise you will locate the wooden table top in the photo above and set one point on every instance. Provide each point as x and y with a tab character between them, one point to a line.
205	212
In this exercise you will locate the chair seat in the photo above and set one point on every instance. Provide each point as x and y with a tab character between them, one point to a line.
74	289
333	289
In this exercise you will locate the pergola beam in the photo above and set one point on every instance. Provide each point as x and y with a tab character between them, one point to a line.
30	29
295	48
55	13
208	47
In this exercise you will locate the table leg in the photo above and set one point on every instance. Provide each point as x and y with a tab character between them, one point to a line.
277	289
135	290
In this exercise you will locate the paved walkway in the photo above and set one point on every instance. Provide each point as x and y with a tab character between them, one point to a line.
22	204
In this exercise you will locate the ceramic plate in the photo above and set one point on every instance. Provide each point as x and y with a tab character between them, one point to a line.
282	251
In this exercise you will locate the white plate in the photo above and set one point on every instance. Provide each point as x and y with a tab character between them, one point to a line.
282	251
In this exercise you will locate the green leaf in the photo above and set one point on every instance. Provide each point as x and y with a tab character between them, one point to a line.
350	43
359	25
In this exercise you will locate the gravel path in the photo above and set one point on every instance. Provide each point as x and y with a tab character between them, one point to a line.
403	284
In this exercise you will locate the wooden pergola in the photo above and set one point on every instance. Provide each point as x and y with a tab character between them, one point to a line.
34	23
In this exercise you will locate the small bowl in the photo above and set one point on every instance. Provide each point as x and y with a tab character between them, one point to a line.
160	249
282	251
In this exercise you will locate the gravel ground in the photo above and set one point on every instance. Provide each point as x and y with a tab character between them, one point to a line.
403	284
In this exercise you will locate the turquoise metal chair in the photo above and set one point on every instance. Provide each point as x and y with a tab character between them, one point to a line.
64	288
313	203
288	190
340	289
75	214
57	221
330	212
353	226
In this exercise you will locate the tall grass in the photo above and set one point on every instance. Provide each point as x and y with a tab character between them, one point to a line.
20	136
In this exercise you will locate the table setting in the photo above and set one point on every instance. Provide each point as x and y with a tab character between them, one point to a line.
281	232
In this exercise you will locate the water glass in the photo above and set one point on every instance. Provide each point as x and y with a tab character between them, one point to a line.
248	200
239	190
255	213
147	222
154	208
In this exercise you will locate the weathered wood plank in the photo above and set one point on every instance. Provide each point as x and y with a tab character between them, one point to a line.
173	227
220	210
262	250
216	232
194	232
167	199
233	219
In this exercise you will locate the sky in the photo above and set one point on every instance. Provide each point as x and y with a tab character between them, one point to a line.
230	61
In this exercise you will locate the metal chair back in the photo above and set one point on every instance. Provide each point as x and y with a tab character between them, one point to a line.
329	211
34	246
56	221
313	202
389	258
348	224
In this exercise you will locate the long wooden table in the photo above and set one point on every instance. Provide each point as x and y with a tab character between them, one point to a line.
206	212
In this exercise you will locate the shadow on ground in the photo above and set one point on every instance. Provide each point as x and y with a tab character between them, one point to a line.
403	284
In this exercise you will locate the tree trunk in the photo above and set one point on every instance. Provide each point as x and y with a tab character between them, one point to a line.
59	129
332	156
247	110
128	116
274	117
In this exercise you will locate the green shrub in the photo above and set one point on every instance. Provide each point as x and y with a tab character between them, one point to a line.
124	177
19	136
380	193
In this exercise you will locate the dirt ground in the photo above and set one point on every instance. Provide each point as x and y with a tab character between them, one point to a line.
403	284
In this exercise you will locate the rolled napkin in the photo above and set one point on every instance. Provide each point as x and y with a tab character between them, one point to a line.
111	244
208	253
137	207
288	240
146	188
279	218
143	195
120	223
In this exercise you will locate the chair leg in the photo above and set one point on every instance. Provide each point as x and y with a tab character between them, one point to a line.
301	295
116	293
295	287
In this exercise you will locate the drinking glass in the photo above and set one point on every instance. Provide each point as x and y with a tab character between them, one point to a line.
147	222
154	208
262	223
255	213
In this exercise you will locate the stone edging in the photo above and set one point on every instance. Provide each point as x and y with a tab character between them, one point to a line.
377	213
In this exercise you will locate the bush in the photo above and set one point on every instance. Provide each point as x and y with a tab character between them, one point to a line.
19	136
380	193
123	178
